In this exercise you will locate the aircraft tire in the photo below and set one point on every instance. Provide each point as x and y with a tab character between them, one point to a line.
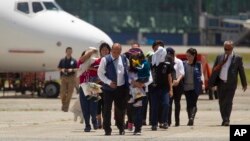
51	89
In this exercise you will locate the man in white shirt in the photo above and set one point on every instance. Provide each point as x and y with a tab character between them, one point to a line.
113	73
227	66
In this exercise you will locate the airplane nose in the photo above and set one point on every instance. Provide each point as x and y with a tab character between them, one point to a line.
72	31
89	33
96	34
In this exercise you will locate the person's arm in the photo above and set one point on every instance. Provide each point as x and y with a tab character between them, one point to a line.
149	81
87	54
242	75
102	70
180	69
170	85
60	66
216	66
202	78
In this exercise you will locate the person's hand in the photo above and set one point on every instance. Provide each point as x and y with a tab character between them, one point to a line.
94	51
203	87
176	83
70	70
137	84
171	93
113	85
62	70
244	88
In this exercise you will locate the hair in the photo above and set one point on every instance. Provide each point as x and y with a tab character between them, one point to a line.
158	42
229	42
135	43
193	52
68	48
103	45
83	53
141	56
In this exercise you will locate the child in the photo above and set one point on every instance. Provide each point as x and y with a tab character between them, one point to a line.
142	68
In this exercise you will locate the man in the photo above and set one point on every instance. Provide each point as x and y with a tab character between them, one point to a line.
227	66
161	86
113	73
67	67
177	87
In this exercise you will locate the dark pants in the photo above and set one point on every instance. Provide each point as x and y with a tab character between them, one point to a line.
191	99
89	108
130	112
119	96
177	92
100	108
137	118
146	103
159	98
225	95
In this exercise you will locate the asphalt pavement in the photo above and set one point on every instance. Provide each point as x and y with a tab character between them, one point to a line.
29	118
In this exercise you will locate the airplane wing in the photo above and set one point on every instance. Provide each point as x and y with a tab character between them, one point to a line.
245	23
234	21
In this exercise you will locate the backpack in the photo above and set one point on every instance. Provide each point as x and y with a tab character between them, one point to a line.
160	74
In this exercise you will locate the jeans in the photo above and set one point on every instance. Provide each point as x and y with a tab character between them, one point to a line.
89	108
159	98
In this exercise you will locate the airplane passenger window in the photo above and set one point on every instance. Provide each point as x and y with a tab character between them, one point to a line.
23	7
50	6
37	7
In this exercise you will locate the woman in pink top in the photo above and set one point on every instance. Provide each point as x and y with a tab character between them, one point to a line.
89	106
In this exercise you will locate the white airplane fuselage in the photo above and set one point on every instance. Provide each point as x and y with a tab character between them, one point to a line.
37	41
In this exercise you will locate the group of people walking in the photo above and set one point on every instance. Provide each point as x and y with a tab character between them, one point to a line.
134	80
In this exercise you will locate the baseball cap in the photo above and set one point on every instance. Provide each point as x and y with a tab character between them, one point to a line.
170	51
135	50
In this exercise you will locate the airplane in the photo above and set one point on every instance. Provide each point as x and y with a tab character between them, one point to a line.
245	23
35	33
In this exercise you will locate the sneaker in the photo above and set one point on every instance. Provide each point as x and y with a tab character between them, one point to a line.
165	126
137	133
154	128
95	126
107	133
122	132
87	129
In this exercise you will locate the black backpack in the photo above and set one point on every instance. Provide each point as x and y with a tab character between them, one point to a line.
160	74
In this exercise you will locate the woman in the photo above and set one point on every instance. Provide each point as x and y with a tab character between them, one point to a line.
193	83
89	105
104	50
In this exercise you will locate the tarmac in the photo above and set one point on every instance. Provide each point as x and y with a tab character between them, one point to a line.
29	118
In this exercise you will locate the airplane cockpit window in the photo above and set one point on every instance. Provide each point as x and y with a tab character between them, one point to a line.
23	7
50	6
37	7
